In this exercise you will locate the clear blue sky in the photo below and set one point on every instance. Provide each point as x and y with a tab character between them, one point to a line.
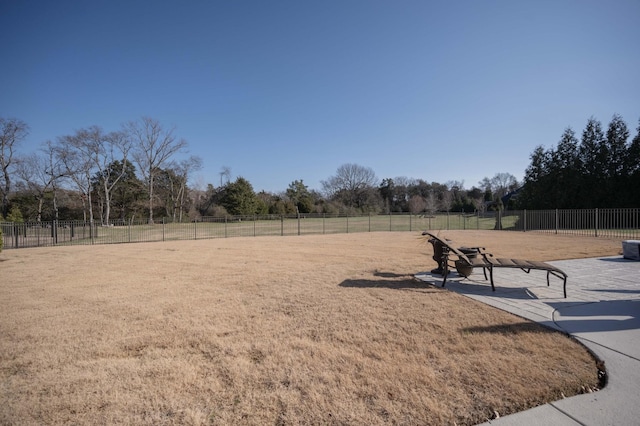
286	90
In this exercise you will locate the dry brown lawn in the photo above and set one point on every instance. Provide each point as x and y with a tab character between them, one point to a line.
273	330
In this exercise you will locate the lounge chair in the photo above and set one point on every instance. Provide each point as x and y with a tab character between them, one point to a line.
487	261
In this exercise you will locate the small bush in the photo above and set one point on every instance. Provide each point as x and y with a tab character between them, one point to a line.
15	215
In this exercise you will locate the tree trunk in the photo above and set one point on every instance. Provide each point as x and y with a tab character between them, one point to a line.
181	200
107	205
5	194
40	203
150	197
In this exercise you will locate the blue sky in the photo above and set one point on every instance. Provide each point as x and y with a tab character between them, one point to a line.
287	90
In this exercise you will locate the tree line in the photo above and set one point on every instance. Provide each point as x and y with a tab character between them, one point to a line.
133	173
90	173
601	170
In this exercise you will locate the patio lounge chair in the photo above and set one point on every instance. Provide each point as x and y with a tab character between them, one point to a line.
487	261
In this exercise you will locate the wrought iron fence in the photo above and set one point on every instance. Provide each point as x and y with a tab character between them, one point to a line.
610	223
57	233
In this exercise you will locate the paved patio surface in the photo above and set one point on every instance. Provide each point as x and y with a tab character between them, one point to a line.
602	310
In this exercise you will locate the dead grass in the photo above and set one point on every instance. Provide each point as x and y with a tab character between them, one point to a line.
272	330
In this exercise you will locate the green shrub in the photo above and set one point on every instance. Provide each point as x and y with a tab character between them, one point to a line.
15	215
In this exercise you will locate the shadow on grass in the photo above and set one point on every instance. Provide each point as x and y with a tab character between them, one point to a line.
510	329
401	282
391	275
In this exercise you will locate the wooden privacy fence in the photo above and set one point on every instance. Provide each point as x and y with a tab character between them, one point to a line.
608	223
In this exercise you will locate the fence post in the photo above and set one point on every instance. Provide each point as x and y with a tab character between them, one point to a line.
323	216
557	221
410	223
390	225
524	220
255	219
195	229
369	221
298	213
225	226
347	223
596	221
281	225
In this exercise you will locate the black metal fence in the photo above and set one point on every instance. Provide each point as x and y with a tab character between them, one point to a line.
610	223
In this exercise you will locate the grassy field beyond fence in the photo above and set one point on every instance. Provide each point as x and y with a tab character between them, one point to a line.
613	223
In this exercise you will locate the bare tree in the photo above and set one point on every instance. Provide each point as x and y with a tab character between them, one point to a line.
226	173
447	199
177	177
55	171
503	183
453	196
485	184
110	149
30	171
352	184
499	185
89	156
479	204
417	204
12	132
40	173
431	202
154	147
77	158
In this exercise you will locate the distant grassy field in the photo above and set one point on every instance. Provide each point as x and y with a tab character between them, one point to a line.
613	223
317	329
72	233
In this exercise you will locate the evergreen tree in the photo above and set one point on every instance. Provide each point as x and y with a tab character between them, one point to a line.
564	170
600	172
535	194
299	195
593	156
616	152
386	190
632	170
238	198
616	147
